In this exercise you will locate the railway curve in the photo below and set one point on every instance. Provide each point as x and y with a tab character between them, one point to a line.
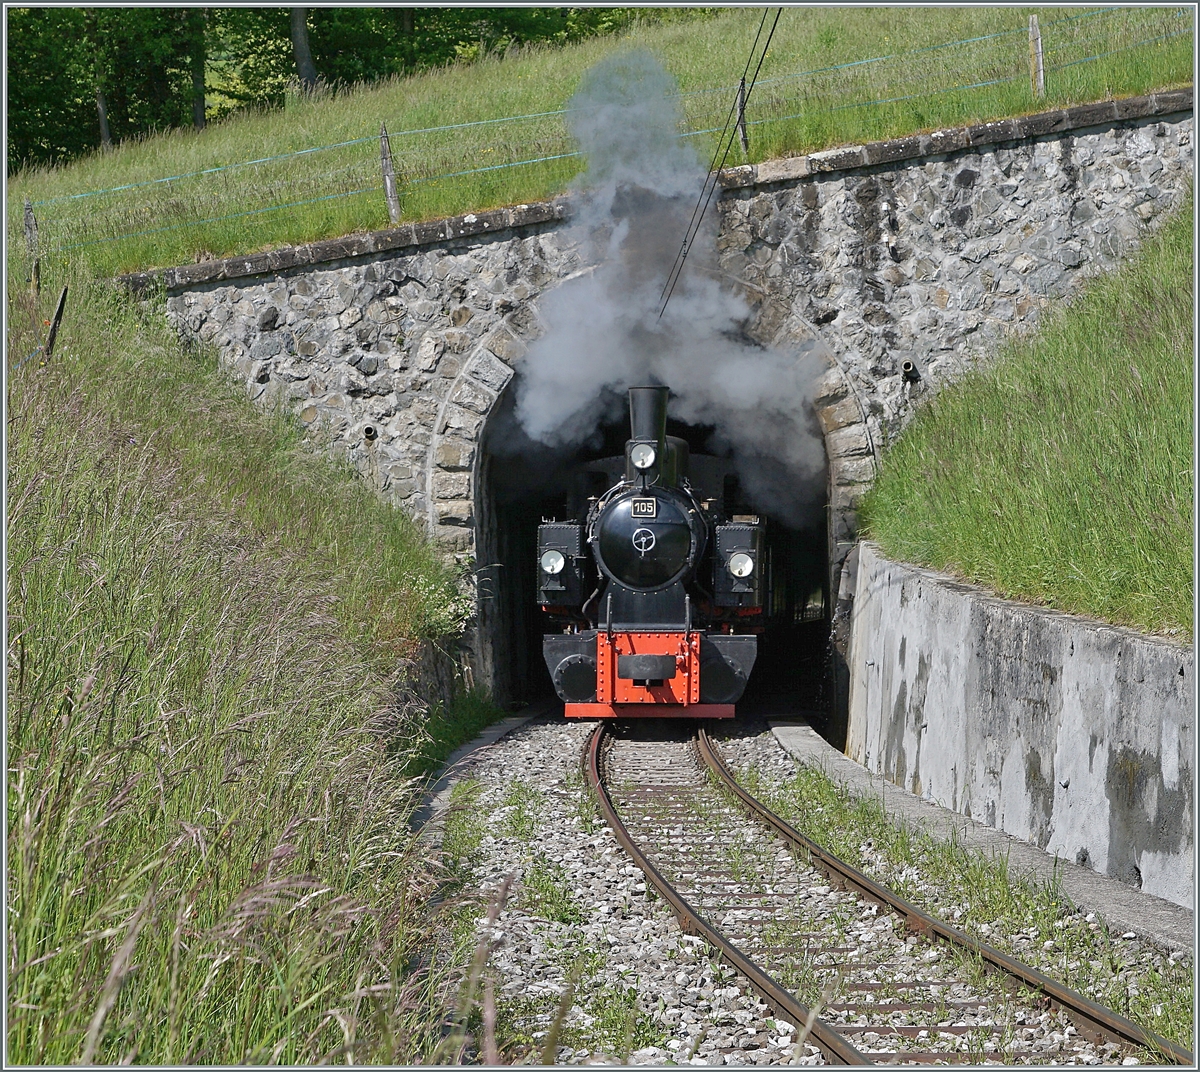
881	980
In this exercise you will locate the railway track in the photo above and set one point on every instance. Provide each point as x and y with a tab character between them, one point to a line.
872	978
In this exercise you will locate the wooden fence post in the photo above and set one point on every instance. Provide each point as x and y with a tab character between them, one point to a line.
741	116
389	176
49	350
1037	68
31	246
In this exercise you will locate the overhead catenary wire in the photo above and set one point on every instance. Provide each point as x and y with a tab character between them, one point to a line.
712	177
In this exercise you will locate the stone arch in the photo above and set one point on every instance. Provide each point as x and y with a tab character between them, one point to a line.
851	453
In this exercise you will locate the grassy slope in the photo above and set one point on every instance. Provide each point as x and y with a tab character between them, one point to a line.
1062	472
206	776
700	54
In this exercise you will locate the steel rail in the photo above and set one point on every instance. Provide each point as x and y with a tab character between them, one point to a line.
835	1046
1086	1012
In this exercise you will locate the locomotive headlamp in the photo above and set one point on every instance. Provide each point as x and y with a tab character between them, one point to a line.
741	564
552	562
643	455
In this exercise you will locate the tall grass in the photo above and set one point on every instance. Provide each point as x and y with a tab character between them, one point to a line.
392	587
1062	472
208	780
929	68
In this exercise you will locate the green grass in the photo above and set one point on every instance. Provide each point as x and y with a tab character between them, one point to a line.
208	780
788	114
545	888
1061	473
175	403
978	894
463	831
447	727
521	802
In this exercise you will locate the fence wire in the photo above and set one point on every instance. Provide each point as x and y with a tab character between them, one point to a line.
806	106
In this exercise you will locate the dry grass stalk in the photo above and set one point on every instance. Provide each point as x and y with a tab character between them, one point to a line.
455	1042
827	994
491	1055
550	1049
116	978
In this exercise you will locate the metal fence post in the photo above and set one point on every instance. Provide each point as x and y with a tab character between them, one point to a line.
389	176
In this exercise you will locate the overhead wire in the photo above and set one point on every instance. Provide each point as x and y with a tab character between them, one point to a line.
713	174
725	130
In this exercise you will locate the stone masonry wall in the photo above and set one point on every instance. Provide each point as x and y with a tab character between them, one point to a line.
929	249
936	260
397	358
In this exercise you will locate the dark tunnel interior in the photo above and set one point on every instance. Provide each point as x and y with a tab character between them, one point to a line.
523	482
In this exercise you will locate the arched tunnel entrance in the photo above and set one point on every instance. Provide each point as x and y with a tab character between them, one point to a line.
522	482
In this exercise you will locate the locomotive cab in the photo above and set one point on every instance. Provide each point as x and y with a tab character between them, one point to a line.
667	626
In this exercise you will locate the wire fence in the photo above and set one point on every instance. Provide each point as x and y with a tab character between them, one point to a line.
518	156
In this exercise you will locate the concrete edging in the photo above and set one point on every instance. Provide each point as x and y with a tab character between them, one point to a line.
1124	908
427	817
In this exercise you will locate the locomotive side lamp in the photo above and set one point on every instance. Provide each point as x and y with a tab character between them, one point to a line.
553	562
741	564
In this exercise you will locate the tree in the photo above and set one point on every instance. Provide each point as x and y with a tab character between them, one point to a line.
94	48
51	105
80	78
197	29
305	70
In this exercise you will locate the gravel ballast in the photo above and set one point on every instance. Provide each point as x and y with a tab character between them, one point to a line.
579	915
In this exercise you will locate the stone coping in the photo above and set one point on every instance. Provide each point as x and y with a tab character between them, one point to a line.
939	142
788	169
406	235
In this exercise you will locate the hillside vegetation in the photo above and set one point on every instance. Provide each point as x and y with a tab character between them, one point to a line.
474	135
1061	473
209	778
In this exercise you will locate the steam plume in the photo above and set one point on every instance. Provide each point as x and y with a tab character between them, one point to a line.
604	333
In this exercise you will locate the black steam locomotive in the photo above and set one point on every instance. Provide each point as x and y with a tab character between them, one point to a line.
658	595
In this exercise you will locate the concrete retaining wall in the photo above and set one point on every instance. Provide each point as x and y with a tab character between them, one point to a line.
1070	734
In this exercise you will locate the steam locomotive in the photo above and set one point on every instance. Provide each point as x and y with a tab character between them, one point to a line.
657	595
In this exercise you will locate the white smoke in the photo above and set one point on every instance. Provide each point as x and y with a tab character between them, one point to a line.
604	332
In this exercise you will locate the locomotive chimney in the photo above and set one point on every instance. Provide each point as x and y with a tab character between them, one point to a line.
648	413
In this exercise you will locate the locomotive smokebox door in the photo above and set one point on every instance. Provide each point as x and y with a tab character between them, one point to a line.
738	565
561	563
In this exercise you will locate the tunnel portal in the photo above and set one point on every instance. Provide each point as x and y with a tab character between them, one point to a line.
523	483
